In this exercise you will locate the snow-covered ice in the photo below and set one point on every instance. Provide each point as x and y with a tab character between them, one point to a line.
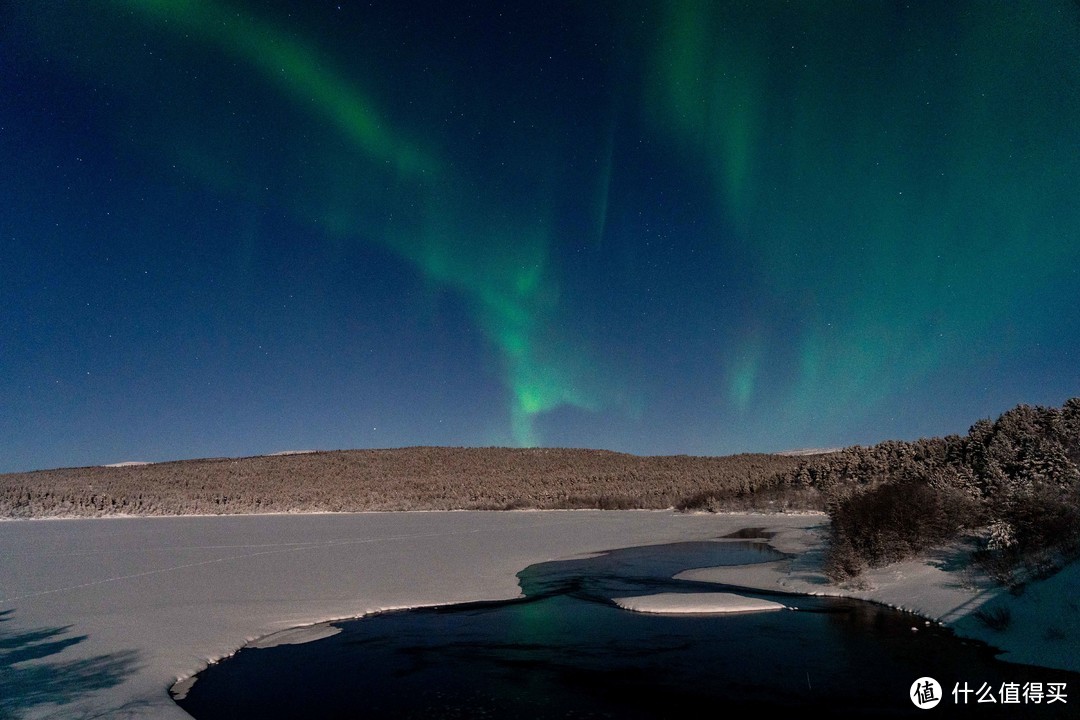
159	598
139	603
696	603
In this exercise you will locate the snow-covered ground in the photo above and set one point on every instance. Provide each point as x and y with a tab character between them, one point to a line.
155	599
108	613
1044	619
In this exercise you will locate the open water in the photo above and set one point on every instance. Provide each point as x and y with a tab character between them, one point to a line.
566	651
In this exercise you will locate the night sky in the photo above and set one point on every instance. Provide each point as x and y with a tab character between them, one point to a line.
233	228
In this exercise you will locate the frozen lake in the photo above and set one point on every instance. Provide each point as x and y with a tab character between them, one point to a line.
566	650
100	617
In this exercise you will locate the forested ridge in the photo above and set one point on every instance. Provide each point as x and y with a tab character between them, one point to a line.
419	478
1013	482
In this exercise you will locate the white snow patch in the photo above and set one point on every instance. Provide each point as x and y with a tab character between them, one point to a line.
696	603
808	451
296	636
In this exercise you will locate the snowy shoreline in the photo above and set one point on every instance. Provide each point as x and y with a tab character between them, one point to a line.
154	600
1043	624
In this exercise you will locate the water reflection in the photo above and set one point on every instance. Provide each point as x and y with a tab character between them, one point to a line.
565	650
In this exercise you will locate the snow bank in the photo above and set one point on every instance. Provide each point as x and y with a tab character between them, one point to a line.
696	603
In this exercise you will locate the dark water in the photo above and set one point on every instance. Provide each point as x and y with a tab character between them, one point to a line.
565	651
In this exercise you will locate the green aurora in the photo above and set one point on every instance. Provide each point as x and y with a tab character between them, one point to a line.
678	226
906	185
500	268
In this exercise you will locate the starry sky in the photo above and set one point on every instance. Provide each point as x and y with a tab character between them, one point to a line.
231	227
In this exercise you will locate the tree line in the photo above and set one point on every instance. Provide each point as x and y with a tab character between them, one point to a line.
417	478
1014	483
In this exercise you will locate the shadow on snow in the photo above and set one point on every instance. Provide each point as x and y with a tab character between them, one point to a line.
32	674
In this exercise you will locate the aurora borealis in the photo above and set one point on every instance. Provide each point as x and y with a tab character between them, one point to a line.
232	228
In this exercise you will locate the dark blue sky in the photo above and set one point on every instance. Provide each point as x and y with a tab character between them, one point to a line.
232	228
